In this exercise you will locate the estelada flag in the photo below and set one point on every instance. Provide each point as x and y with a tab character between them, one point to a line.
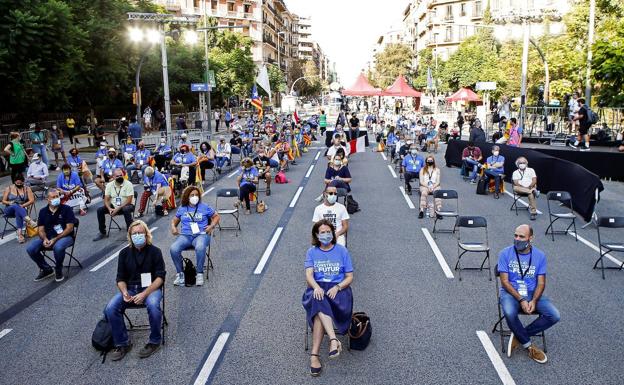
256	101
306	139
296	116
171	203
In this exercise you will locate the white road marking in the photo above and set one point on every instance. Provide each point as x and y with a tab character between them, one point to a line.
596	248
293	202
498	363
383	156
407	198
268	251
209	365
4	332
394	175
438	254
111	257
521	201
317	155
207	191
8	237
95	201
307	175
234	173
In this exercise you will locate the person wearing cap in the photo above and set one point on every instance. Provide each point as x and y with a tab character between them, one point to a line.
56	136
37	174
162	154
128	149
247	181
181	160
102	151
72	189
80	167
155	184
38	140
184	141
118	199
106	168
223	153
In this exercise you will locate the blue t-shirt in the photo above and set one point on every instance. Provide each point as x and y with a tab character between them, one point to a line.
413	163
156	179
508	263
187	158
330	265
63	215
248	176
392	139
142	155
129	148
109	165
101	152
163	149
134	130
68	183
199	214
74	162
496	159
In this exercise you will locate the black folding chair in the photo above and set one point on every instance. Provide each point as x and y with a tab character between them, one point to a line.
112	221
555	213
208	262
607	245
229	195
164	322
69	252
448	210
499	327
7	223
479	246
514	205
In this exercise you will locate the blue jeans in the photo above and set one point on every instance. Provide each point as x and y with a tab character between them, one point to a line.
221	161
273	163
548	316
235	150
114	314
35	247
497	178
198	242
247	149
471	163
18	212
41	150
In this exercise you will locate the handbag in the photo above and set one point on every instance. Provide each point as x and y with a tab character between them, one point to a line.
31	231
360	331
261	207
482	186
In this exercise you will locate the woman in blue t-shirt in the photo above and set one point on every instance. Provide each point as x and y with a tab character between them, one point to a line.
197	222
337	174
247	182
328	299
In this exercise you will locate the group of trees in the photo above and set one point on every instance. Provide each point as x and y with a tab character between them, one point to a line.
482	57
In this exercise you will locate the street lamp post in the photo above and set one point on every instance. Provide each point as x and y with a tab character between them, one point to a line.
292	88
590	41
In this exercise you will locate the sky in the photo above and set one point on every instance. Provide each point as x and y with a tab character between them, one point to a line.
346	30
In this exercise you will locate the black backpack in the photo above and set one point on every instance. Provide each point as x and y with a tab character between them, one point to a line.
352	206
102	338
159	210
592	117
189	272
482	186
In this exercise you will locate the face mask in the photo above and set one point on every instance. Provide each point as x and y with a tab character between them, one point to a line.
112	156
66	173
38	161
325	238
521	245
102	147
119	180
194	200
55	202
414	151
331	199
162	142
430	162
522	166
138	239
19	185
337	162
495	153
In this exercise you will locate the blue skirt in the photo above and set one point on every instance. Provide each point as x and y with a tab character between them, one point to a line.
339	309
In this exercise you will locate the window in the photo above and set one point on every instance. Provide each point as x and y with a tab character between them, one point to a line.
196	3
214	4
462	9
231	23
230	7
477	9
435	37
449	34
247	8
463	32
449	12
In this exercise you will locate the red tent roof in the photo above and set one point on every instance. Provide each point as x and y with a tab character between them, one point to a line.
401	88
361	88
464	94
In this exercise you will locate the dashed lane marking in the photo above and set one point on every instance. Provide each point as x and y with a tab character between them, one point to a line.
383	156
234	173
317	155
394	175
407	198
207	191
307	175
268	251
4	332
293	202
209	365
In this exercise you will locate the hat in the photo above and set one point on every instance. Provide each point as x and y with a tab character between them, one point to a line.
112	150
184	135
35	157
102	143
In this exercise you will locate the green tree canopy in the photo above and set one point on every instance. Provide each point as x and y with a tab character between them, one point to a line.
394	60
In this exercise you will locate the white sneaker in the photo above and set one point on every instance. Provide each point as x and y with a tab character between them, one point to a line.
199	279
179	281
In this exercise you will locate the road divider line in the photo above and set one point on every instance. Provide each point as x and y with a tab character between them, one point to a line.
521	201
438	254
495	358
268	251
407	198
318	153
207	191
383	156
8	238
209	365
394	175
596	248
4	332
307	175
95	200
233	173
112	256
293	202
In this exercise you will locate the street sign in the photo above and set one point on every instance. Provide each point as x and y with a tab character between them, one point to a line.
486	86
200	87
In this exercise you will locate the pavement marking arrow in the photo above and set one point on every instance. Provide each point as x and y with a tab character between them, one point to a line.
495	358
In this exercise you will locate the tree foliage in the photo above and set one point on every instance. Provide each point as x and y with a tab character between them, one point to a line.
394	60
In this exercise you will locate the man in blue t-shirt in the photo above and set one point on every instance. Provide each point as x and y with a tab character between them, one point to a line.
411	165
522	269
495	168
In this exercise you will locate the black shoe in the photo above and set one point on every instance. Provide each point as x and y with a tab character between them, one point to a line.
409	191
148	350
533	216
120	352
421	215
43	274
268	192
496	196
99	237
439	217
59	276
315	372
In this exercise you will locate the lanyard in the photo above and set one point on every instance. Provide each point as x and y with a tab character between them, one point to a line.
430	175
522	274
194	213
521	174
74	159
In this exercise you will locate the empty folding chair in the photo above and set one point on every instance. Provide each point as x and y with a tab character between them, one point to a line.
229	195
473	246
133	306
514	205
607	246
562	211
69	252
448	210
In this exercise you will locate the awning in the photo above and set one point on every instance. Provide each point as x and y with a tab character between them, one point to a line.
361	88
465	95
401	88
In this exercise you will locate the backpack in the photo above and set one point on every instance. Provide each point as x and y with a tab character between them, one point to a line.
352	206
592	117
280	178
495	117
159	210
189	272
102	338
482	186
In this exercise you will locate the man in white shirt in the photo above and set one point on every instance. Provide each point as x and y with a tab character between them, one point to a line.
525	183
331	152
37	174
334	212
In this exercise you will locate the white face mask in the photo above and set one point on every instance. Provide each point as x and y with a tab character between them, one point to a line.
102	147
331	199
495	153
522	166
194	200
337	162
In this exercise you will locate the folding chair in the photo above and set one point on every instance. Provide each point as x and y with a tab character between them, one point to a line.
609	246
208	262
447	211
112	221
164	322
464	247
514	205
342	194
69	253
7	223
499	327
231	195
555	214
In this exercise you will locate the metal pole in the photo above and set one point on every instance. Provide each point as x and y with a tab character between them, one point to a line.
137	80
207	65
590	41
525	65
163	50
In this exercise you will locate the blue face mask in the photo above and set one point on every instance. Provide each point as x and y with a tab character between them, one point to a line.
55	202
138	239
521	245
325	238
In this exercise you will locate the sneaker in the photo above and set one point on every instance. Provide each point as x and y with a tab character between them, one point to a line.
83	212
119	352
512	344
99	237
43	274
584	148
533	216
179	280
59	276
573	145
473	181
138	215
439	217
537	355
199	279
148	350
421	215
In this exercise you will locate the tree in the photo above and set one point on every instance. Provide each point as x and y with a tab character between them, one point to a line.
394	60
311	85
232	61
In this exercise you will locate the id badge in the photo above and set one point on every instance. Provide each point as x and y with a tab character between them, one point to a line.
194	228
117	201
141	162
58	229
522	288
430	184
58	141
146	279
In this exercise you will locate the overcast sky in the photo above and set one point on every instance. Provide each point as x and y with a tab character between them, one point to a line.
347	29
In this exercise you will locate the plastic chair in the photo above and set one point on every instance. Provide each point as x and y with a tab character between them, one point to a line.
607	245
479	246
565	199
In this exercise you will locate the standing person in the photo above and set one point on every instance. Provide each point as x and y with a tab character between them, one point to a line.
181	123
122	130
573	108
515	133
522	269
354	127
118	199
147	119
323	122
39	139
460	122
134	130
334	212
429	182
228	119
17	199
217	118
56	136
17	155
70	123
582	116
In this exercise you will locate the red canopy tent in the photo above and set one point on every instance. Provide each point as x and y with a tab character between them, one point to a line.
401	88
464	94
361	88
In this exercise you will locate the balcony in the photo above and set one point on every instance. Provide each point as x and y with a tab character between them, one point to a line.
172	5
477	13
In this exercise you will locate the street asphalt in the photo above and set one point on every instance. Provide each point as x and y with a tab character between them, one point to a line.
246	324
